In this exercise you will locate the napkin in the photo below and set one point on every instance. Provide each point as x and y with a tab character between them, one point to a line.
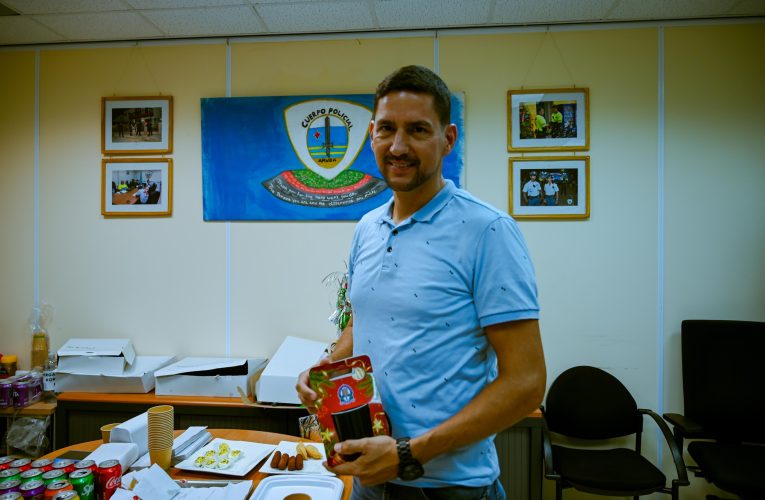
126	453
184	446
154	483
135	430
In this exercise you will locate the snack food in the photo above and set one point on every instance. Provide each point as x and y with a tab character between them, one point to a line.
219	458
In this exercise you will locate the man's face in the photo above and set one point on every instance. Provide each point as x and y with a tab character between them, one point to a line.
409	142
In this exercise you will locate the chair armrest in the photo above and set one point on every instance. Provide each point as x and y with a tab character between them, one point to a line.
547	450
686	426
677	456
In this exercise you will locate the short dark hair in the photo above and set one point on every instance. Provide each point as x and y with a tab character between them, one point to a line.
421	80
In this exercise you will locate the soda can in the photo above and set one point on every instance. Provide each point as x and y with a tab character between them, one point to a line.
5	462
30	475
44	464
21	464
53	475
64	464
34	489
109	478
10	474
87	464
57	486
10	486
11	496
67	495
84	483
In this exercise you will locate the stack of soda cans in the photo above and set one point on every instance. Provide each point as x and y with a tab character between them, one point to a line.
62	479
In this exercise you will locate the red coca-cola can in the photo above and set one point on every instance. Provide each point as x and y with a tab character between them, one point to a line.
44	464
5	462
87	464
21	464
109	478
64	464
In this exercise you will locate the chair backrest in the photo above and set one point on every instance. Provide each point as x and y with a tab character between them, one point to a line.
589	403
724	377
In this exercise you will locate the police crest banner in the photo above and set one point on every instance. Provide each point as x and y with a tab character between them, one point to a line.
296	157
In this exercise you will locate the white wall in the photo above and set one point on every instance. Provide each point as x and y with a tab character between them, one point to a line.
239	288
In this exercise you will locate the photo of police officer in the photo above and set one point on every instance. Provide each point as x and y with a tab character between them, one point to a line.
531	193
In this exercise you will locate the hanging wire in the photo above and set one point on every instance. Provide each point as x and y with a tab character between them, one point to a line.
547	34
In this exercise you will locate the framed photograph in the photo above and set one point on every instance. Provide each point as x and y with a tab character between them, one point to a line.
137	125
548	120
550	187
136	186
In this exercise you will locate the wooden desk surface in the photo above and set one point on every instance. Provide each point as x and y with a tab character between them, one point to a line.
231	434
39	409
150	398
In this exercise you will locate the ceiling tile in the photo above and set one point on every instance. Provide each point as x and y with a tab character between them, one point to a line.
431	13
20	30
220	21
175	4
749	8
104	26
315	17
63	6
549	11
670	9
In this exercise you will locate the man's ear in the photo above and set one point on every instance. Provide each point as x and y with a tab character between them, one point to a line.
371	131
451	137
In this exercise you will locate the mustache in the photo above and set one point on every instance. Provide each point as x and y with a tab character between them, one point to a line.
405	158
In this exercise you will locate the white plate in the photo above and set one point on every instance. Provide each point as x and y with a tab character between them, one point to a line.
310	466
252	453
317	487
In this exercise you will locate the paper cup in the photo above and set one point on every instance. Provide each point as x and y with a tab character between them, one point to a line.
161	425
162	457
106	431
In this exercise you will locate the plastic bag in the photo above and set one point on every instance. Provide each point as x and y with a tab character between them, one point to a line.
29	435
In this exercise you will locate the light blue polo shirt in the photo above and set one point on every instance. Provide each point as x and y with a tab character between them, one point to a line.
422	291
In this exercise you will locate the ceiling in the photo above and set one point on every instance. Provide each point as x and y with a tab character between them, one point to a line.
32	22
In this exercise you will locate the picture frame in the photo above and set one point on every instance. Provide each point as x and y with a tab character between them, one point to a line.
569	174
137	125
136	187
548	120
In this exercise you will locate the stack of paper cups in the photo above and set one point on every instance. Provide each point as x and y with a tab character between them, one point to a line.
161	427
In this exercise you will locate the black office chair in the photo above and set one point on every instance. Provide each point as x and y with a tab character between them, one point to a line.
724	401
588	403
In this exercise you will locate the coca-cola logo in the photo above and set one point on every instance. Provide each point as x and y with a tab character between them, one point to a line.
114	482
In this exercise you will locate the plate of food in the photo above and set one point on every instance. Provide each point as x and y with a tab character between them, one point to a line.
290	457
222	456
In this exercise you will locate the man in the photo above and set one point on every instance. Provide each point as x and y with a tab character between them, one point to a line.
532	191
556	122
551	192
541	124
444	303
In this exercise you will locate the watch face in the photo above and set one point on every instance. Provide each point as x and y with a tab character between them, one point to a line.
411	471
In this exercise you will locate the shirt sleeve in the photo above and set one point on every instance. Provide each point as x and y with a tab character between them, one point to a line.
504	282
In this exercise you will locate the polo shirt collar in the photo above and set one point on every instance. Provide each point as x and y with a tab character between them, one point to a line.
427	212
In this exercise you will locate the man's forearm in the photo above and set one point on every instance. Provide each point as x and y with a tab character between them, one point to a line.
344	344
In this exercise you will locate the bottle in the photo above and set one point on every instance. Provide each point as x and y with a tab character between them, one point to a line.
39	349
49	375
9	362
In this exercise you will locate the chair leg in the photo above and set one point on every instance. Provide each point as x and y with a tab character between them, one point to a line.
558	490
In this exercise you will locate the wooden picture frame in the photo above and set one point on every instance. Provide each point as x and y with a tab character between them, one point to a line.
136	187
137	125
568	199
548	120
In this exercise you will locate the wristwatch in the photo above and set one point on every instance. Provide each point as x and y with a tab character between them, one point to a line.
409	468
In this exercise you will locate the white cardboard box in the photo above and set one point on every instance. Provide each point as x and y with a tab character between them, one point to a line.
277	382
105	356
138	378
207	377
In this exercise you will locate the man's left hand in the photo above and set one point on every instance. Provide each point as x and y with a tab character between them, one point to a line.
377	464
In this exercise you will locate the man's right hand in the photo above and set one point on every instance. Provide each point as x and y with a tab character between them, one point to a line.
305	393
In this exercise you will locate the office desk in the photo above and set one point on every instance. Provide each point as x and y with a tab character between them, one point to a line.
231	434
79	415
